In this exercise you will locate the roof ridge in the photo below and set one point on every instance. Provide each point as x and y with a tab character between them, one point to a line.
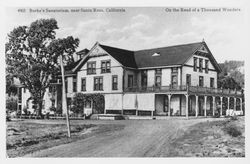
168	46
116	48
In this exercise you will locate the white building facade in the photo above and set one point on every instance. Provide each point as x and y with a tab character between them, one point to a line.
170	81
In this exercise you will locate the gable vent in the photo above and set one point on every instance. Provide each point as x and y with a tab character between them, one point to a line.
156	54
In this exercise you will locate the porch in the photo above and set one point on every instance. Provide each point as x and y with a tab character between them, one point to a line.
191	100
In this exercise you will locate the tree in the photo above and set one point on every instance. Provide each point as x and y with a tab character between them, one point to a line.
32	56
80	99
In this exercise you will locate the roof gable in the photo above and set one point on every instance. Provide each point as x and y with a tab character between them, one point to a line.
157	57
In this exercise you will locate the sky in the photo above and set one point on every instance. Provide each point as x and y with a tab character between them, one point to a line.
144	28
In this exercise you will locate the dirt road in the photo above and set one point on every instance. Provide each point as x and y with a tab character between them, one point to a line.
139	138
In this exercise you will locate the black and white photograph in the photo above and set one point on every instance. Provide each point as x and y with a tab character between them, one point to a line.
91	81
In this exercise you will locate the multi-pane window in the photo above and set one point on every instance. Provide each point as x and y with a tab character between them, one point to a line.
158	77
201	81
114	82
105	66
98	83
91	68
188	79
74	84
200	64
144	78
83	86
211	82
206	66
130	81
195	64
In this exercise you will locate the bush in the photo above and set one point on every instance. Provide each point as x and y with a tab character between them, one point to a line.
234	117
11	104
233	131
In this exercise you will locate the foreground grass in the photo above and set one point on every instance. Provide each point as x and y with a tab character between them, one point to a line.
212	139
27	137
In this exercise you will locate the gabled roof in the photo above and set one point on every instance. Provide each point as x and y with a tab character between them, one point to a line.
173	55
125	57
166	56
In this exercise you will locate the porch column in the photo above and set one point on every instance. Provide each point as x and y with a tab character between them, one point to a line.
136	112
213	105
228	103
205	106
169	104
235	104
152	113
196	105
186	105
221	99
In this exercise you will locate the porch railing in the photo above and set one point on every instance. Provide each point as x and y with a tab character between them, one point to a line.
193	89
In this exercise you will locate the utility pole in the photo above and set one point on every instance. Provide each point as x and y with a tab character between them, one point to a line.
64	99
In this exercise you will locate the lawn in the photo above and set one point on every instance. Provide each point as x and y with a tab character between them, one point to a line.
23	137
212	139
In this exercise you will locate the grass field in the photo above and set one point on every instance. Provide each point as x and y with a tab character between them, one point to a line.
212	139
26	137
172	137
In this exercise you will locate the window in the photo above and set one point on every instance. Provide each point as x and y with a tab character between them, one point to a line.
105	66
69	101
188	79
91	68
158	81
98	83
144	77
66	85
211	82
201	81
74	84
53	103
87	104
174	80
83	86
114	82
200	64
206	66
19	91
195	64
24	90
175	70
130	81
158	77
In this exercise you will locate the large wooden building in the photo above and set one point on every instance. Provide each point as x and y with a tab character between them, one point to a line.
172	81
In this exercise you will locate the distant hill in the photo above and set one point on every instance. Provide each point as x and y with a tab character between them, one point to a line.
234	69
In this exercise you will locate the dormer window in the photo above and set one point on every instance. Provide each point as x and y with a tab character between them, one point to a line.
156	54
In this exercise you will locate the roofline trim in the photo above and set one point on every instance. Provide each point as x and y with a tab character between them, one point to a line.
177	65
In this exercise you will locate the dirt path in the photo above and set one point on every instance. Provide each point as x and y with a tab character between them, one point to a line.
139	138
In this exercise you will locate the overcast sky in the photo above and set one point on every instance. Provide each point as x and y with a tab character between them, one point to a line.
144	28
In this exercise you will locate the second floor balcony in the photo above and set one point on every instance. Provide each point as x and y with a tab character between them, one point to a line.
187	89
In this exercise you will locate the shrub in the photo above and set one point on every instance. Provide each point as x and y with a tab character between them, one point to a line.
11	104
233	131
234	117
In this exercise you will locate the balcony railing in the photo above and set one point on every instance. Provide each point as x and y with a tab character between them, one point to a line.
192	89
